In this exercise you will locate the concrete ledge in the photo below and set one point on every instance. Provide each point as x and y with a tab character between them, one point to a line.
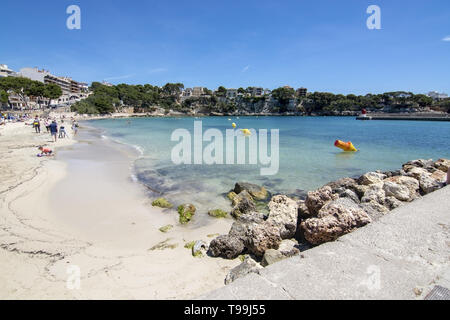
401	256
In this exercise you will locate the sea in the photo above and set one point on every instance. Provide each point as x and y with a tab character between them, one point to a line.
306	159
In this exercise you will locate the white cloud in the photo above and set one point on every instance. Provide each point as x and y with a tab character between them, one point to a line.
447	38
119	77
246	69
158	70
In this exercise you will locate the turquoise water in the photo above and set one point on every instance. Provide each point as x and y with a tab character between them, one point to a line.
308	158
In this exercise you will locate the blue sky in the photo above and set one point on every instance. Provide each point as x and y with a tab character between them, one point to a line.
322	45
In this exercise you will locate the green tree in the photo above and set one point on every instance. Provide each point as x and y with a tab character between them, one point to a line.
283	96
22	87
221	91
3	97
173	89
423	100
52	91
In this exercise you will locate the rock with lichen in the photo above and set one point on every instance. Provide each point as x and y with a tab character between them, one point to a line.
166	229
218	213
257	192
162	203
186	213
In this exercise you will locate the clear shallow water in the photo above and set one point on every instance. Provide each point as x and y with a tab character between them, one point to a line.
308	158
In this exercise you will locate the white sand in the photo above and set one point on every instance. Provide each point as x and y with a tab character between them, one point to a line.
56	214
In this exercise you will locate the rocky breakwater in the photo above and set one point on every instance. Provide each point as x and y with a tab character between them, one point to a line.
338	208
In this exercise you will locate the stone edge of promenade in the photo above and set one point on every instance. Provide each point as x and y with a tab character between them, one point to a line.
401	256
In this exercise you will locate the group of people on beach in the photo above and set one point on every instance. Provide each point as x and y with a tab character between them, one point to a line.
52	127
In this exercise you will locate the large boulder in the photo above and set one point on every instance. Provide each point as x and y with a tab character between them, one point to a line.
247	266
347	193
411	183
392	203
398	191
284	215
262	236
257	192
360	190
272	256
341	185
439	176
226	246
415	172
442	164
427	181
371	178
335	219
289	247
374	209
315	200
421	163
374	192
303	210
428	184
242	204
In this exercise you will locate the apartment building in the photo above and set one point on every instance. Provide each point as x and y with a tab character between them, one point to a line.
301	92
5	71
197	91
257	91
67	84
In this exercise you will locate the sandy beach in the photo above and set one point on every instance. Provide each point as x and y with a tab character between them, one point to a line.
80	210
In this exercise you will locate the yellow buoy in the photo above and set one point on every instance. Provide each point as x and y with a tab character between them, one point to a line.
233	125
246	132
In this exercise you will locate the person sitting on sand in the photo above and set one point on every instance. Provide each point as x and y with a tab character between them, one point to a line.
45	152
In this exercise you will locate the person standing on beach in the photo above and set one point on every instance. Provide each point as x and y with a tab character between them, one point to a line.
47	125
62	131
75	127
37	125
54	130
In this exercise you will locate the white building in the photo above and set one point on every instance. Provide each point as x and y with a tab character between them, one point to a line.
437	96
197	91
257	91
5	71
186	92
72	90
105	83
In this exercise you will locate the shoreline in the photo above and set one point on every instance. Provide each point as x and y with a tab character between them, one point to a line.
417	116
112	247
